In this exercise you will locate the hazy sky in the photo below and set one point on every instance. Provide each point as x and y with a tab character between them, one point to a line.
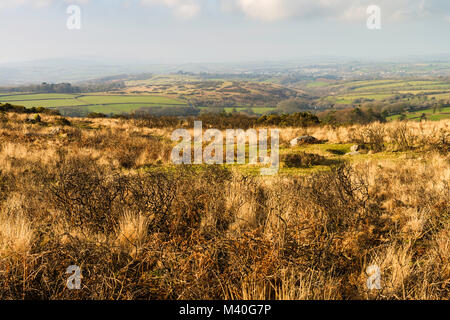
178	31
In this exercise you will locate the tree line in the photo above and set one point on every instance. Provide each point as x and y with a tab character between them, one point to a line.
65	87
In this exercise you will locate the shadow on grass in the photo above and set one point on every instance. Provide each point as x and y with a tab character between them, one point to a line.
338	152
332	162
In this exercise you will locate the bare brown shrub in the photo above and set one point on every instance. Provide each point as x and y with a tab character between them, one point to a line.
403	137
372	136
302	160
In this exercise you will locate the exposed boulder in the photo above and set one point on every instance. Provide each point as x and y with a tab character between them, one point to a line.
303	140
353	153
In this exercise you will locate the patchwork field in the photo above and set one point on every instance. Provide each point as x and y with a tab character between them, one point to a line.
104	103
232	95
430	114
215	92
379	90
165	91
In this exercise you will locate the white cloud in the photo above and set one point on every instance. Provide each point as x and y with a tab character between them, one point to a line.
271	10
34	3
16	3
264	9
183	9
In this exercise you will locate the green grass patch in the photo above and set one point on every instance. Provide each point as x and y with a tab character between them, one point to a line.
47	103
43	97
91	102
114	108
317	84
128	99
416	116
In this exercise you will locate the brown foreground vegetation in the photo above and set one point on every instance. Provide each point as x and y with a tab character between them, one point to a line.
99	194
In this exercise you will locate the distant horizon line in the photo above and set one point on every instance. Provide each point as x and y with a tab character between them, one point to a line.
137	61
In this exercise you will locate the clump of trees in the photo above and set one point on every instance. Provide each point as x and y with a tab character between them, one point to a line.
45	88
96	115
20	109
225	120
352	116
67	87
293	105
297	119
394	107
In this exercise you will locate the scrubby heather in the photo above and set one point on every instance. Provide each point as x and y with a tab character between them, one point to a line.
101	194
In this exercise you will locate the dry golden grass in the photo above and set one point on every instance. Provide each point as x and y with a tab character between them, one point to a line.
345	134
16	236
132	232
98	194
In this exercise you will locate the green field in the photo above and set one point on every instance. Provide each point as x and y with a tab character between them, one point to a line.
36	96
438	115
101	103
112	108
317	84
91	102
380	90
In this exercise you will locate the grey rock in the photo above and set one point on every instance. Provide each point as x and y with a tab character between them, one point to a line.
304	140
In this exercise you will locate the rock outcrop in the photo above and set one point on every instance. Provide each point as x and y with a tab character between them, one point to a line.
303	140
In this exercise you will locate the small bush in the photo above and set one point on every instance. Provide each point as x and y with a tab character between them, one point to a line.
302	160
3	117
128	154
63	122
86	196
440	142
371	136
402	137
94	115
